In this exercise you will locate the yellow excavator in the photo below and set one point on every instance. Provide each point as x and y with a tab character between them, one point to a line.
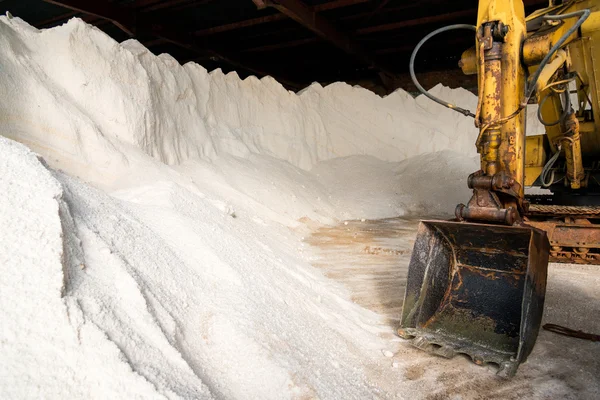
476	284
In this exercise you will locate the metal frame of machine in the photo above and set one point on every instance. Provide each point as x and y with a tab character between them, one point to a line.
476	285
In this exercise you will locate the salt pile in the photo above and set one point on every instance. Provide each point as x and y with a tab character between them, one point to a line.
155	249
122	94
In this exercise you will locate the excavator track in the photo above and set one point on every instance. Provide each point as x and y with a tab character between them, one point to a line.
573	230
564	211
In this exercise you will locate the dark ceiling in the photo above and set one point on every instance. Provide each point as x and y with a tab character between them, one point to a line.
367	42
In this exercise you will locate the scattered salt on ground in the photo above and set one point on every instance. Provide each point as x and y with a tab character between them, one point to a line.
180	272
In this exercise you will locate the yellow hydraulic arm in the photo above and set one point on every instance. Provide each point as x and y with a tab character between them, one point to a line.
557	51
476	285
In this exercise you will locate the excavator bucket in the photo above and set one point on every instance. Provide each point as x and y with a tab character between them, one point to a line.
476	289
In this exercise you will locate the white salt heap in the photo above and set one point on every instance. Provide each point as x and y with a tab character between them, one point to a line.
115	94
156	250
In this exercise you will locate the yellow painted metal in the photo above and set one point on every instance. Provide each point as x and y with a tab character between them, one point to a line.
502	139
531	175
535	158
502	144
588	64
468	61
550	69
549	102
580	58
502	82
592	24
536	48
579	62
491	111
535	155
572	144
551	109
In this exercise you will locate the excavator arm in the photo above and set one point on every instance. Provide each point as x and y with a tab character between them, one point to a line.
476	285
565	158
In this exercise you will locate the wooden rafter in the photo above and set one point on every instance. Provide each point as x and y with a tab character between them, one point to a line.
332	5
312	20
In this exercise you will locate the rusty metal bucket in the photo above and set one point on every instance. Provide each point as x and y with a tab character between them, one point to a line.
476	289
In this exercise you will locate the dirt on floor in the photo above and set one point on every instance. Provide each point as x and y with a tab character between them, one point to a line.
371	257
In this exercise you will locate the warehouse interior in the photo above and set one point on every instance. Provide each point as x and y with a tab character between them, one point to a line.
254	199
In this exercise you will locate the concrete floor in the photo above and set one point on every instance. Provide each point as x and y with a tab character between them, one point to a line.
371	259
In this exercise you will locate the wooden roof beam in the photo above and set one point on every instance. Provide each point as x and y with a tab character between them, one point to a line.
332	5
417	21
309	18
283	45
240	24
123	19
431	19
175	4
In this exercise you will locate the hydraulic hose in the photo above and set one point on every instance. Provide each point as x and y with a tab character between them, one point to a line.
530	88
583	15
548	167
416	81
566	111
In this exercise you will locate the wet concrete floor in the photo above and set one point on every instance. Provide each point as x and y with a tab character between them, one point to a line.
370	257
